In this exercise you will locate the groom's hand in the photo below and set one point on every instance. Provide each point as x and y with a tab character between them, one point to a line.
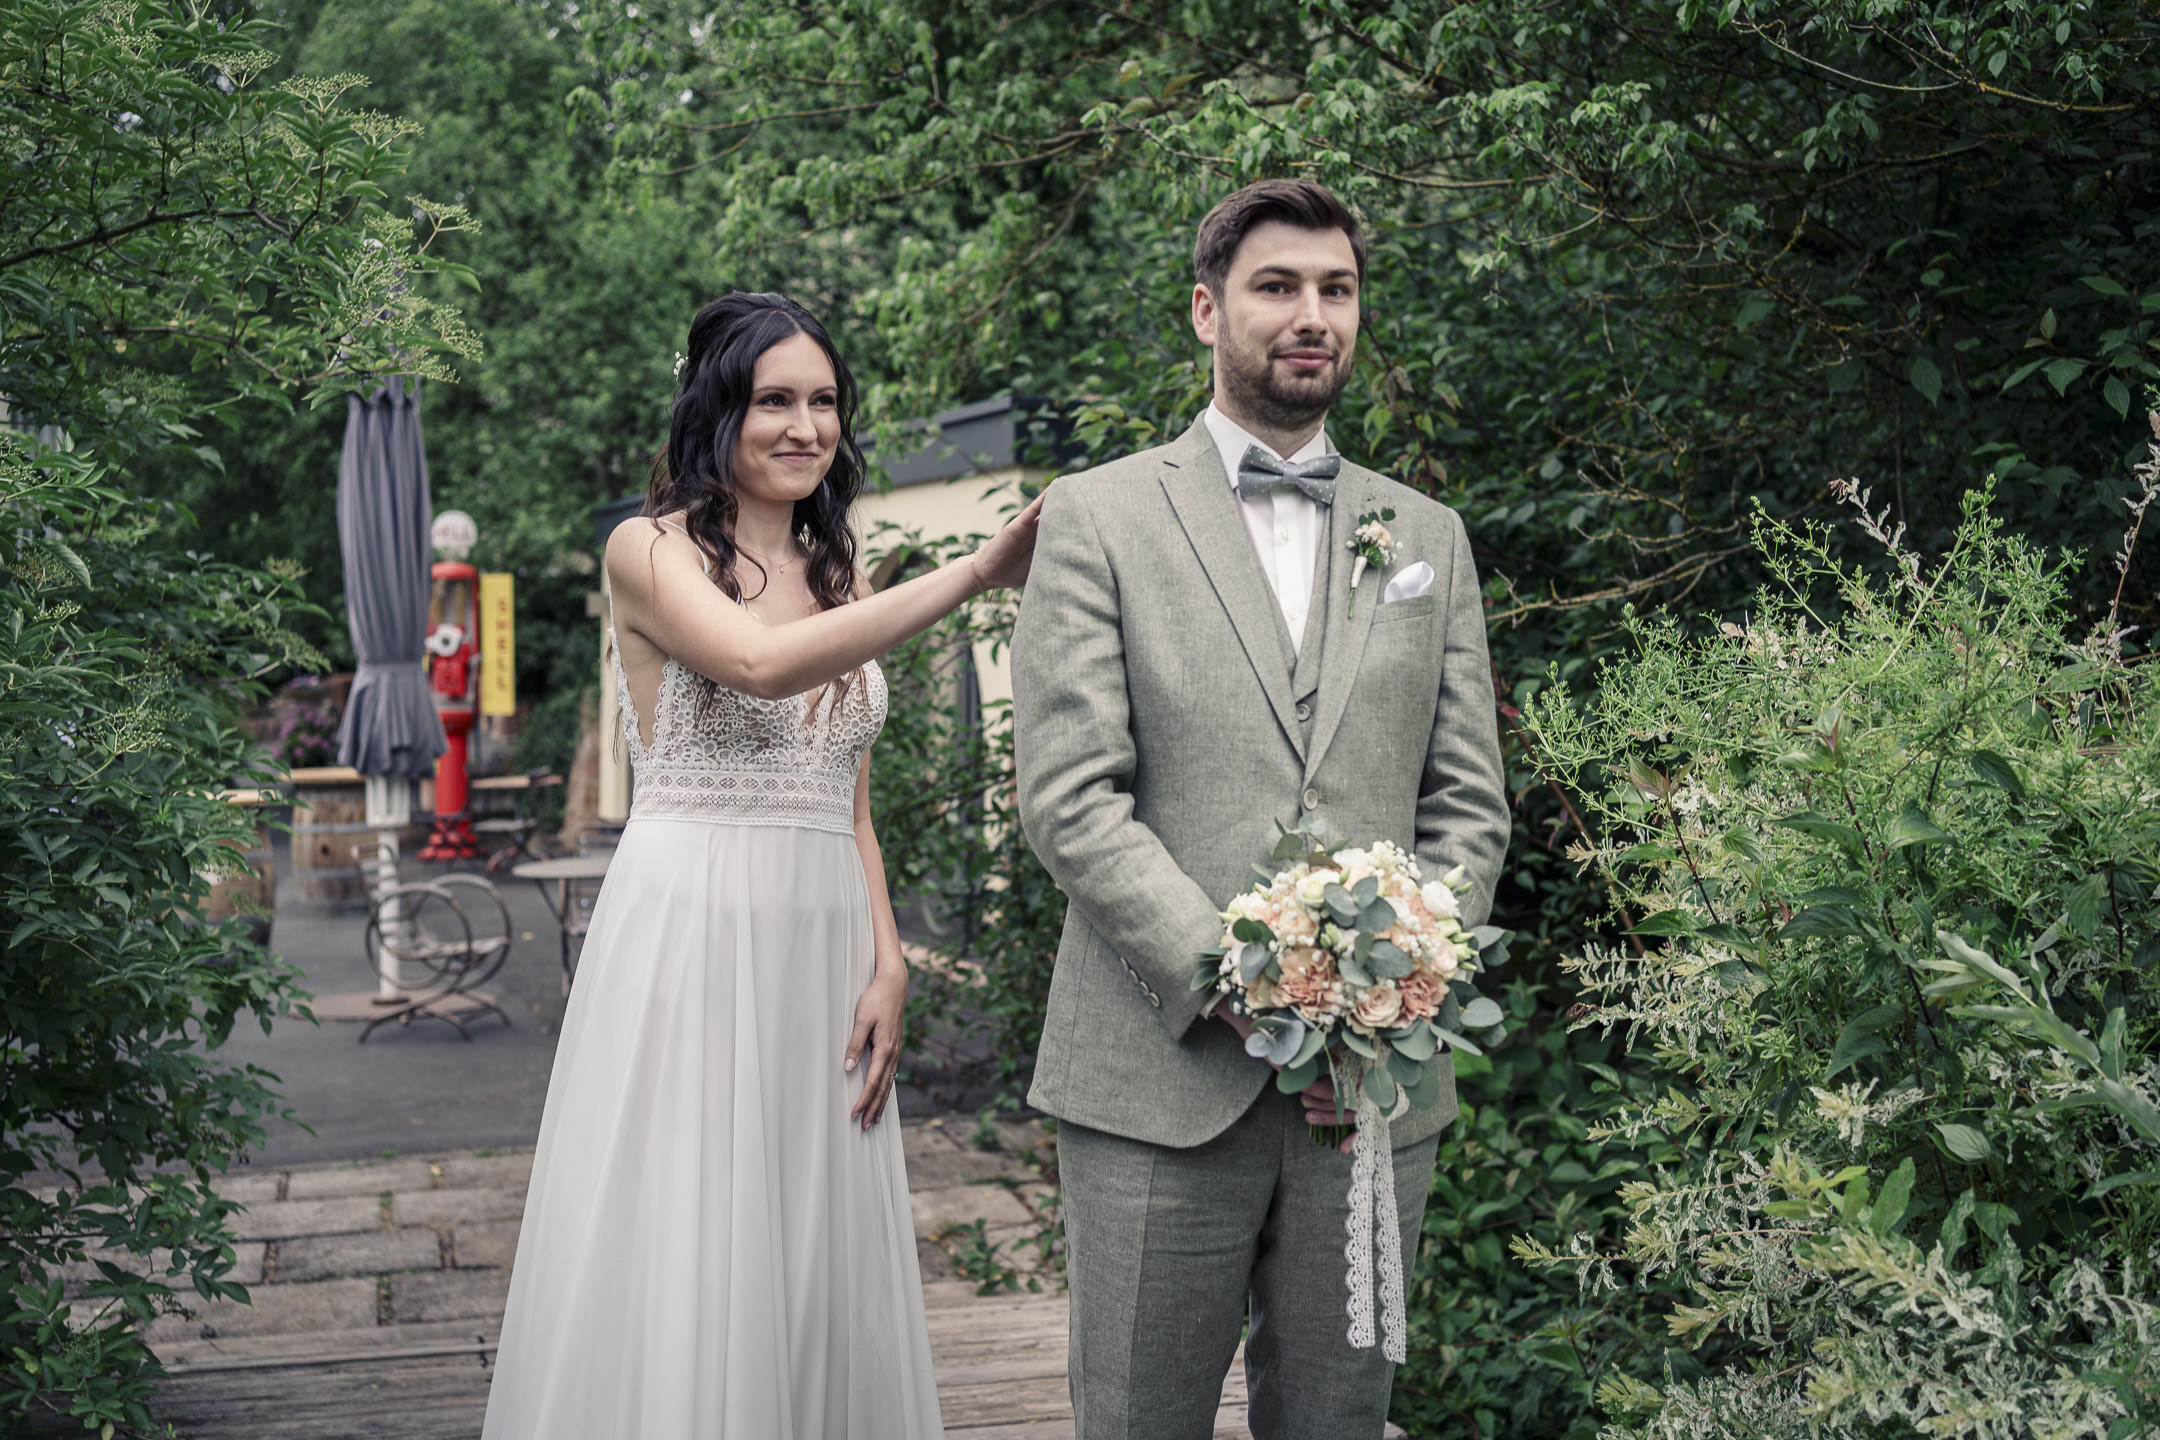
1321	1106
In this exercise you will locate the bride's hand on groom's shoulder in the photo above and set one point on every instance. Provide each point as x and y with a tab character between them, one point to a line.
1005	559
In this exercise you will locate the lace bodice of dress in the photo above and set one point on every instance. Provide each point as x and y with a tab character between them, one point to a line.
727	758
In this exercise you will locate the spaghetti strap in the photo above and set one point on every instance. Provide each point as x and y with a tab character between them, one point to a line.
701	557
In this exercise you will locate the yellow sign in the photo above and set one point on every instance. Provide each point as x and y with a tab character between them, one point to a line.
498	646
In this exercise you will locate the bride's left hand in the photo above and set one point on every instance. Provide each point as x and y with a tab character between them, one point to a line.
878	1017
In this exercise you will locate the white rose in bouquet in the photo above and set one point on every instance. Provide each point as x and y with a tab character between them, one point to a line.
1312	887
1439	898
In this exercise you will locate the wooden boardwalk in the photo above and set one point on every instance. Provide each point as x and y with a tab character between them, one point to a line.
1000	1369
378	1288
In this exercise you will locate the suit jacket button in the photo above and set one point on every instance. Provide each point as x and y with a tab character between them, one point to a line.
1304	711
1312	799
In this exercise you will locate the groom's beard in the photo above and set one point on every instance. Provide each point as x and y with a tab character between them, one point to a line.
1248	380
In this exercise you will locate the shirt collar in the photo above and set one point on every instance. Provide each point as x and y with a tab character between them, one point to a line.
1231	439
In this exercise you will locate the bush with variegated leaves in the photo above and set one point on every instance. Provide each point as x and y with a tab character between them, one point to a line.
1891	849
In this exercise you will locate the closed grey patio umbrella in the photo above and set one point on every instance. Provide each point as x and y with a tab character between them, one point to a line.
383	508
390	732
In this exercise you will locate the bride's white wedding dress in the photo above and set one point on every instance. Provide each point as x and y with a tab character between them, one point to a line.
711	1248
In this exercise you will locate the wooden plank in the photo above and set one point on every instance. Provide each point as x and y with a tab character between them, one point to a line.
442	1399
179	1355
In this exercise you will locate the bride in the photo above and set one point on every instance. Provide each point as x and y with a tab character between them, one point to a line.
717	1241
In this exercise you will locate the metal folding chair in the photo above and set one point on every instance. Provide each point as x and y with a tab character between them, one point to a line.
421	938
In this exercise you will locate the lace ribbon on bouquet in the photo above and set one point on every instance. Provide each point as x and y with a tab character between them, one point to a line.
1374	1229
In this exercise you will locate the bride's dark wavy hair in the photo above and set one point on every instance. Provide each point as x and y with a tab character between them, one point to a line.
696	474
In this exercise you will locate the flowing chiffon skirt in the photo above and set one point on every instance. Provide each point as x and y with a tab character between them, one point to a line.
711	1248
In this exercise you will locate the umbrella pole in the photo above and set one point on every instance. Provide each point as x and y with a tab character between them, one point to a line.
389	806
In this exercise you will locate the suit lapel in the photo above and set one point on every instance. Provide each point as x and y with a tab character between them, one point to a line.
1342	647
1207	508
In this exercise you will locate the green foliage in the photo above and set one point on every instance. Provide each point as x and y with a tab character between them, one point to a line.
177	237
120	663
1632	265
942	791
1894	848
1496	1348
162	211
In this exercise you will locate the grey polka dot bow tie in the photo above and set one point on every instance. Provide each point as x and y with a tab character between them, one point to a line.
1260	472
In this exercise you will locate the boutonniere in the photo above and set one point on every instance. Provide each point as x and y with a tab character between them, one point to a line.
1372	544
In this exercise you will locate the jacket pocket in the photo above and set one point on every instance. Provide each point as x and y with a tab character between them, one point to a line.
1416	608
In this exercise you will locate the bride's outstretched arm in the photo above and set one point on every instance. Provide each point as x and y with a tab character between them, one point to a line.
661	591
881	1010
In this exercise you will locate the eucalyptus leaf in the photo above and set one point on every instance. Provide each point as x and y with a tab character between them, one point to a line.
1403	1068
1288	1042
1458	1042
1380	1086
1293	1078
1417	1042
1424	1091
1387	961
1482	1014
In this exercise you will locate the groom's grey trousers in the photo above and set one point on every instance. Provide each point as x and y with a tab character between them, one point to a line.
1163	722
1164	1248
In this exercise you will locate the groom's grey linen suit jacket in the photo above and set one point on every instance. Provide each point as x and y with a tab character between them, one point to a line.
1162	721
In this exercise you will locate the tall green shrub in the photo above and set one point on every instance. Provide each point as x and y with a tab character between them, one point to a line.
1893	844
174	236
119	666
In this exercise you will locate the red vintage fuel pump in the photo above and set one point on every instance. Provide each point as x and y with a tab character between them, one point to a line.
454	676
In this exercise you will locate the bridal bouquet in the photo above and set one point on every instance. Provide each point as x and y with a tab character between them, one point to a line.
1347	959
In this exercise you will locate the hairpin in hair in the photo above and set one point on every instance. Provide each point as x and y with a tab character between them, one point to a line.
680	361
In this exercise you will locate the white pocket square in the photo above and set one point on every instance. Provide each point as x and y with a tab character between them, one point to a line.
1408	583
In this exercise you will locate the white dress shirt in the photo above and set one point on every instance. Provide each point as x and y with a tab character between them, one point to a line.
1286	524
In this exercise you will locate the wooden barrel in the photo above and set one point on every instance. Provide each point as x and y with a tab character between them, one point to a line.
329	818
252	894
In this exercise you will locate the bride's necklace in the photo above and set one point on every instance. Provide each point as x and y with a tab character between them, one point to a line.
770	570
777	569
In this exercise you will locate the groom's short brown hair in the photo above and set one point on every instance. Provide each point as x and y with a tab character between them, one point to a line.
1307	204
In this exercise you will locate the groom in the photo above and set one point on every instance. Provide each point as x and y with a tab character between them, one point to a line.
1188	670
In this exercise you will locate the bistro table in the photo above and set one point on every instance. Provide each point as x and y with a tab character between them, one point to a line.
517	825
559	882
